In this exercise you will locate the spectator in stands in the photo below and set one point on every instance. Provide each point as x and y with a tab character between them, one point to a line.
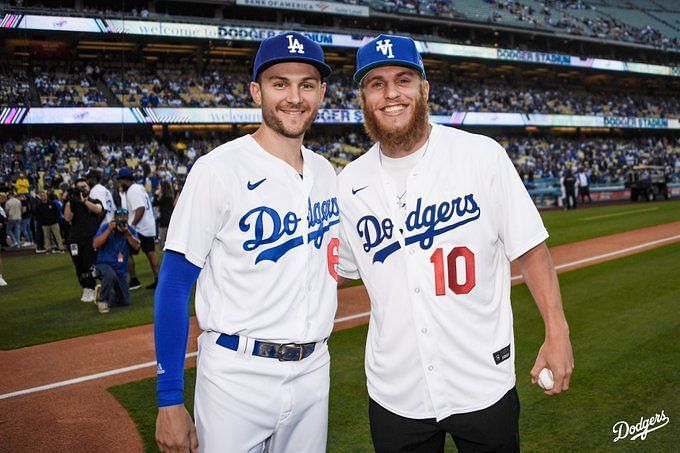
136	200
47	214
114	242
13	210
22	185
84	215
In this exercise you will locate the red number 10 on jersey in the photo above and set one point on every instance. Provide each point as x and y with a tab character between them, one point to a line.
452	262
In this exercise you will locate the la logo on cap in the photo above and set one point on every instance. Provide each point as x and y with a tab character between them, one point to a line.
294	45
384	46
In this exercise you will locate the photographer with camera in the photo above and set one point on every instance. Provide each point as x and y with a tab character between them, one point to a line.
84	214
115	241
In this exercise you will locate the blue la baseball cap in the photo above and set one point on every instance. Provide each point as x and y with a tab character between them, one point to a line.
388	50
124	173
290	46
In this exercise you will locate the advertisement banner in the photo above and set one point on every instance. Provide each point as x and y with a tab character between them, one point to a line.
82	115
310	6
239	33
199	115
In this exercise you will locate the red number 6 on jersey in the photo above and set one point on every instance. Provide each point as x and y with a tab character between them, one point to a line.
332	255
437	259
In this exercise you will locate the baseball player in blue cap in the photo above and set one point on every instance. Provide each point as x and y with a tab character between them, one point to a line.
256	226
431	219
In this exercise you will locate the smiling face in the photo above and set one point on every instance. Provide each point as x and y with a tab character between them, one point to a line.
290	95
394	102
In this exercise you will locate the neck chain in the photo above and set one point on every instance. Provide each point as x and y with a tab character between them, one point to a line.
401	203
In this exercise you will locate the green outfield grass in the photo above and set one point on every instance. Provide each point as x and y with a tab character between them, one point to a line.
624	324
41	303
586	223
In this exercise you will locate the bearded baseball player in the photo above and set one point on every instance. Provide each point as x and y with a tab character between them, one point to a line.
431	218
257	225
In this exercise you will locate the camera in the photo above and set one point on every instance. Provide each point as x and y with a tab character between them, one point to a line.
74	194
121	223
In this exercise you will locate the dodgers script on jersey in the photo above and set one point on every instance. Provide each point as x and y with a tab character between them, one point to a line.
437	269
266	240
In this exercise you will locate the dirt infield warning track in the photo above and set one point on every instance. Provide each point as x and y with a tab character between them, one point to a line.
53	397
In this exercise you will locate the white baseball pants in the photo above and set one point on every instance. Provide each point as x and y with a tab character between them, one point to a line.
249	404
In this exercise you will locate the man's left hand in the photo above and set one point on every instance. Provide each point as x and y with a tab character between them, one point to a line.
556	355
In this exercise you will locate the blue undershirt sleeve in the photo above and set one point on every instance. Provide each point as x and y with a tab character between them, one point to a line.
171	325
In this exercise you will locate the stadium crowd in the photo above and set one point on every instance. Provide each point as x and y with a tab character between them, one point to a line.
73	87
48	163
560	14
186	88
577	17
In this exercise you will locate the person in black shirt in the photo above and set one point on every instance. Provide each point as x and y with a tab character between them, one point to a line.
84	214
165	200
569	182
47	214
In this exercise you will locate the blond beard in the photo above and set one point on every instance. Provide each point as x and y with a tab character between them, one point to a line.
402	139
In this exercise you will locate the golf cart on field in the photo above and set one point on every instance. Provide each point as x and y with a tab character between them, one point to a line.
647	182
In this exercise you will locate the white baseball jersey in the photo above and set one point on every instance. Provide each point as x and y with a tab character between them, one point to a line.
137	197
101	193
266	240
437	270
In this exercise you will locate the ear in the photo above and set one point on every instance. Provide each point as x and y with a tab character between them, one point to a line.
323	91
256	93
426	88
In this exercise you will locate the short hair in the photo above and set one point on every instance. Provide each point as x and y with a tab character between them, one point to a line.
81	179
94	175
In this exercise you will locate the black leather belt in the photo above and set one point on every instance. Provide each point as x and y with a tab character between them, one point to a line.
284	352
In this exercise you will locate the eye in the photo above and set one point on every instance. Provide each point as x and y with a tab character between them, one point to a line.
377	84
279	84
308	86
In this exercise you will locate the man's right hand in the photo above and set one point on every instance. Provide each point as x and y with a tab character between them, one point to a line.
175	430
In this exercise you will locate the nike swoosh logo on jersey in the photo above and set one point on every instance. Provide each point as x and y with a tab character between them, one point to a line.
355	191
253	186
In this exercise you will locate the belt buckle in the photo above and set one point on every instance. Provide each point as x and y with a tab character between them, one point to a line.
281	351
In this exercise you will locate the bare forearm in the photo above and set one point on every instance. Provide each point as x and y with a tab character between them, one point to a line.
343	282
100	240
94	207
68	214
139	213
133	242
540	276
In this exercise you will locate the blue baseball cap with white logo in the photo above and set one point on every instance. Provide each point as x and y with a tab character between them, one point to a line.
388	50
290	46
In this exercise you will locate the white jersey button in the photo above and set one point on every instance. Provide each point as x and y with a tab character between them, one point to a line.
412	251
417	290
430	368
423	330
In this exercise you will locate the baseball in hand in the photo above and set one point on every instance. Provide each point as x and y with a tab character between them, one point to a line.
545	379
